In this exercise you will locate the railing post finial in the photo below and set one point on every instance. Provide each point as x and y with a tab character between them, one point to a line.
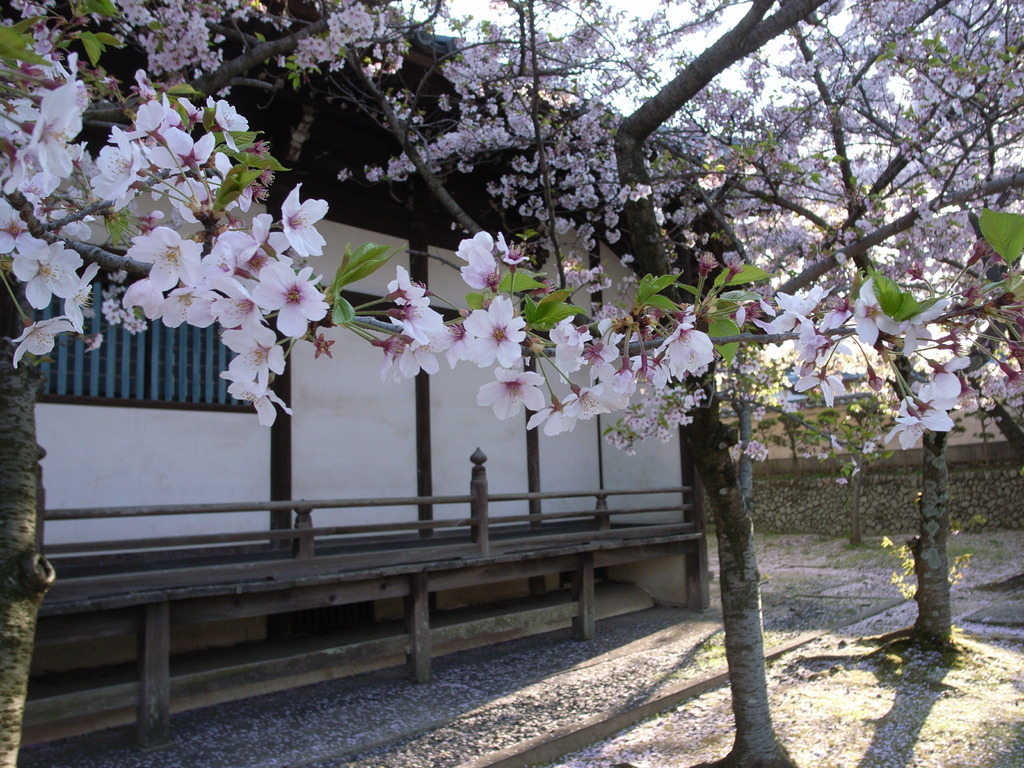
478	506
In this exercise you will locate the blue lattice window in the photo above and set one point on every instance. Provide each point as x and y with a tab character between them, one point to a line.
158	365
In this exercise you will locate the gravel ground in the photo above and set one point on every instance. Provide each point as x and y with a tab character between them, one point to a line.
489	699
839	701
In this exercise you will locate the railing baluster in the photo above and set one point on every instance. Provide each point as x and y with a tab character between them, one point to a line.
604	521
478	506
304	546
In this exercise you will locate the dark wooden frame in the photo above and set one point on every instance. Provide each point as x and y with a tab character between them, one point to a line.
149	603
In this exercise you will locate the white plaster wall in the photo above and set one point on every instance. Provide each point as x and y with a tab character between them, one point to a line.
109	456
569	462
352	435
654	465
459	426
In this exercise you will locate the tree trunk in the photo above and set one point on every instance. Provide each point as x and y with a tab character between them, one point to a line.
25	575
858	493
934	625
756	745
1009	428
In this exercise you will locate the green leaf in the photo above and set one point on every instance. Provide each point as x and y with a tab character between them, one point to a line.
890	297
1004	232
108	39
475	300
724	326
737	296
93	47
343	311
749	274
662	282
235	183
544	317
182	89
17	47
357	264
691	289
518	282
101	8
664	303
651	285
118	227
556	296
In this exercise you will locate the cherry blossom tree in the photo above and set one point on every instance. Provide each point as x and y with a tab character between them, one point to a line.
839	142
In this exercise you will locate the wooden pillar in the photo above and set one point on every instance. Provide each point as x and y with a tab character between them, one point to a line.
417	627
419	242
583	596
478	506
154	703
281	457
533	462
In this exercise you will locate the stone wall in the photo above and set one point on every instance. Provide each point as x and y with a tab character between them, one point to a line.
980	498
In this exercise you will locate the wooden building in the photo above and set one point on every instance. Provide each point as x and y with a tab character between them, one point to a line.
224	558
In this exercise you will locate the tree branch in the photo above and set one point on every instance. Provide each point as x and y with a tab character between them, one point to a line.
399	130
902	224
222	76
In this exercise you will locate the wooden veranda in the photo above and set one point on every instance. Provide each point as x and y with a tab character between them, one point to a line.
146	587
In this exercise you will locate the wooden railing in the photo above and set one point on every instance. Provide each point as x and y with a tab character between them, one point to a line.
305	535
146	586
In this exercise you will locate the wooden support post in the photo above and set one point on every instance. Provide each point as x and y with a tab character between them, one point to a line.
303	547
419	270
533	461
478	506
417	626
154	705
583	596
604	522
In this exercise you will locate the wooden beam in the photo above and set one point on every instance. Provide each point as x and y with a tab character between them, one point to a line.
154	703
417	626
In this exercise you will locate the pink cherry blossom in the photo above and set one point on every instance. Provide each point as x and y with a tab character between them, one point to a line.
261	396
173	257
47	269
258	356
512	391
497	333
831	385
38	338
687	351
295	296
917	417
299	224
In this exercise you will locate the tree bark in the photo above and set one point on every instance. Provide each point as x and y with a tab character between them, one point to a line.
749	34
755	745
858	492
1009	428
934	624
25	575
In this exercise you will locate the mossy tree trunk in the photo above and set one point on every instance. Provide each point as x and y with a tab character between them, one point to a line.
25	575
755	745
934	624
